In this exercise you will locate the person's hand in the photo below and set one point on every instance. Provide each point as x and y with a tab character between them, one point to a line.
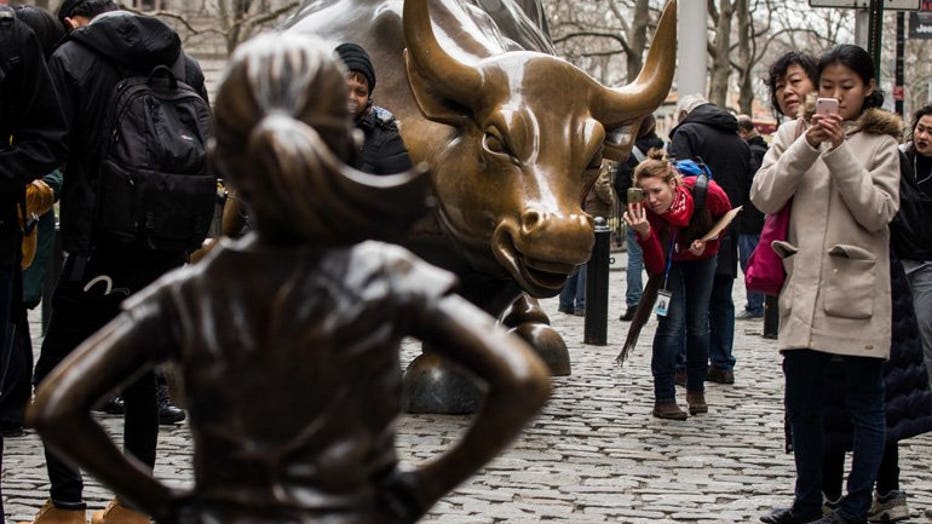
636	218
401	495
816	134
697	248
832	126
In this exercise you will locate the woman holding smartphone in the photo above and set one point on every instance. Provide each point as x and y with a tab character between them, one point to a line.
669	228
842	175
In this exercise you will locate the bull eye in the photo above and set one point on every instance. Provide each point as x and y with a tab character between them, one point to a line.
494	144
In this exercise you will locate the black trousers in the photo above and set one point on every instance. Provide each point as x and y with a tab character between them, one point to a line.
87	297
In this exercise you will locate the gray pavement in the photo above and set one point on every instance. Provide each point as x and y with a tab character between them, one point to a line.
595	454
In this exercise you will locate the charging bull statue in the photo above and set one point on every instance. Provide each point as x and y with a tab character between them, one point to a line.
514	138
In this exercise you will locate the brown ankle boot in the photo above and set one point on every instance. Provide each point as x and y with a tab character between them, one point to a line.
117	513
49	514
668	410
696	401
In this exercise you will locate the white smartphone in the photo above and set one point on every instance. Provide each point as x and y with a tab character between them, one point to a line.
826	106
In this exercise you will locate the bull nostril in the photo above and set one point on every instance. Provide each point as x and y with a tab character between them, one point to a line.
530	219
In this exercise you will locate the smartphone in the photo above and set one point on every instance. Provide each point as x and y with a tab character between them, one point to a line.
635	195
826	106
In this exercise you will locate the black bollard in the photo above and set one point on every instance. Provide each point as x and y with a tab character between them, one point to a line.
596	331
771	317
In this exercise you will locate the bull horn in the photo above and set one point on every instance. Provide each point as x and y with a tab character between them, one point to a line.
615	107
445	75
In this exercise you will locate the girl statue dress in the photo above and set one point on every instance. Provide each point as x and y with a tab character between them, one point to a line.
288	339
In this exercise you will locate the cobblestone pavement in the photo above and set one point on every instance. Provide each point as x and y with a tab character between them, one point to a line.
595	454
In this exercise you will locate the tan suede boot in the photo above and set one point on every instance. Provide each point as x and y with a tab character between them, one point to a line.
696	401
117	513
49	514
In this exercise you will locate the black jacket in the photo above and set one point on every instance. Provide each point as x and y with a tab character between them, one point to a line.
625	169
30	114
751	220
910	233
85	70
711	133
383	152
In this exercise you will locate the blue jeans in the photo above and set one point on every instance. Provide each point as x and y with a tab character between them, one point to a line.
722	323
746	245
635	285
573	296
804	370
691	283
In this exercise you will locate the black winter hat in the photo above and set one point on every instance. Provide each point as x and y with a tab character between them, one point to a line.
357	59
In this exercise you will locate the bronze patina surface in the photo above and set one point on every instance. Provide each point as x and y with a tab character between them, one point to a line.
513	135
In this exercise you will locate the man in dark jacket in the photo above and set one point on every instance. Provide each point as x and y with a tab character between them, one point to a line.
751	220
647	139
711	133
383	152
105	44
32	143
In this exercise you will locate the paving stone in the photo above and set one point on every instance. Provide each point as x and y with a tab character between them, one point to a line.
595	454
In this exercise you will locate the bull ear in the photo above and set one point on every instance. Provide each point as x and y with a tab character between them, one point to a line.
432	104
620	140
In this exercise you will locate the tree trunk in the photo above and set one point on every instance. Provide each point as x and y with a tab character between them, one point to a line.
721	61
745	58
637	38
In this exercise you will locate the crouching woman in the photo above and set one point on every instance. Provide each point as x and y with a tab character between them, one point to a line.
669	223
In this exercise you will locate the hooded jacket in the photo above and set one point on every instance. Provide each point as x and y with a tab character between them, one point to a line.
711	133
85	70
752	220
383	152
836	298
32	130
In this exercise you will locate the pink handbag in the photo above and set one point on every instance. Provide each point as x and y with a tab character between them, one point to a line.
765	267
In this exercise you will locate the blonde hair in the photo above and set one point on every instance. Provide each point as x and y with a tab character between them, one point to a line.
656	165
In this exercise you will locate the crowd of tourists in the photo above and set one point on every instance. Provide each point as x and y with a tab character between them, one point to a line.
855	196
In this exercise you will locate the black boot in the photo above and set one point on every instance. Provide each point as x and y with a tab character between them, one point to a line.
169	413
113	406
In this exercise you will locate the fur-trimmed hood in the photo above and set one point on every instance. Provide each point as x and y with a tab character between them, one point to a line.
876	121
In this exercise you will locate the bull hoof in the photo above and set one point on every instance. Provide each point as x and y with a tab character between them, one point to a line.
434	385
548	344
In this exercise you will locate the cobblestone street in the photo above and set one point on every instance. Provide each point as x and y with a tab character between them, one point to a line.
595	454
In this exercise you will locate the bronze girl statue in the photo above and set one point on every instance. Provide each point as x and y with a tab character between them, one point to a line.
288	339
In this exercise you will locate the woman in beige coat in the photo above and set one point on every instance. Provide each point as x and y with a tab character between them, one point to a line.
842	175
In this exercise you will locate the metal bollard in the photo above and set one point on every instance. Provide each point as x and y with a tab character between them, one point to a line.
771	317
596	326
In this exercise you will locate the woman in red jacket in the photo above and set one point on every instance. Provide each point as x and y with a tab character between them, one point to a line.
669	228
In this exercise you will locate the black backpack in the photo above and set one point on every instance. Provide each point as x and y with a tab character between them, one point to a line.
154	188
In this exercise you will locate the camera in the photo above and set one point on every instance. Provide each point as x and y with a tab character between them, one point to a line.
636	195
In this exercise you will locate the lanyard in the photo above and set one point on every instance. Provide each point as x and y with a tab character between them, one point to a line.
666	273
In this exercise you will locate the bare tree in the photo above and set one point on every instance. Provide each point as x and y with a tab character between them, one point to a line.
720	17
232	20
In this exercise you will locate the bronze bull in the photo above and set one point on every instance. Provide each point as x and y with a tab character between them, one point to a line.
513	135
